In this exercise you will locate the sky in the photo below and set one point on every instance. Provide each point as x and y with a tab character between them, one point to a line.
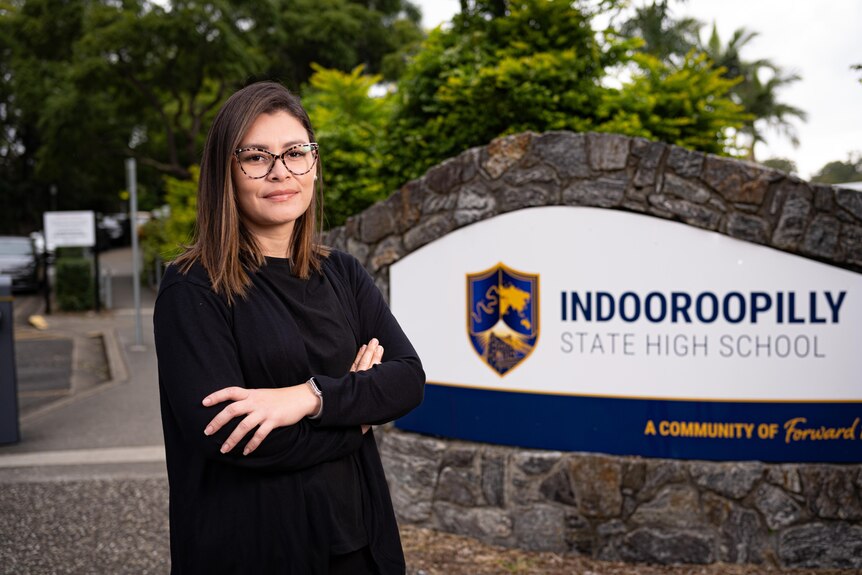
819	40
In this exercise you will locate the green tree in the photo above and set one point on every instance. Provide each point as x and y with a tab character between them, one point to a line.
86	83
841	172
501	68
768	112
509	66
349	125
168	69
94	82
665	37
337	34
758	82
783	164
164	236
685	105
36	39
757	90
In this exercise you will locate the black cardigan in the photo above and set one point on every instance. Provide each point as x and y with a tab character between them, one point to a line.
231	513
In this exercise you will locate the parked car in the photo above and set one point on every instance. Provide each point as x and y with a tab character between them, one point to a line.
18	259
112	230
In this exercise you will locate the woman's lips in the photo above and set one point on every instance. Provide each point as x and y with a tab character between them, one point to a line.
280	195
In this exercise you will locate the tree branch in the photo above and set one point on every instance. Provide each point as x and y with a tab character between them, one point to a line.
171	169
154	101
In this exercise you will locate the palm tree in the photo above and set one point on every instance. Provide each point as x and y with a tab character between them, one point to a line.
665	37
759	98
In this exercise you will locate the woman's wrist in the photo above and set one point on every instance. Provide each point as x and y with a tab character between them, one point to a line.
315	399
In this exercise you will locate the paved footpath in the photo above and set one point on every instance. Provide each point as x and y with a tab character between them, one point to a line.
85	490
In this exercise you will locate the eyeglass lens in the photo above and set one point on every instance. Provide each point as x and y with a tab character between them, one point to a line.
257	163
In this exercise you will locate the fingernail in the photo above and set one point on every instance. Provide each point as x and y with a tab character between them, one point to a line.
207	401
208	430
225	448
374	340
245	451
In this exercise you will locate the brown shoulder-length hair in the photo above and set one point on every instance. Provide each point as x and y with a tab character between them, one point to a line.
222	242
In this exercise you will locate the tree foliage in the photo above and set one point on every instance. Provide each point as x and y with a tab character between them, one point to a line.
509	66
338	34
88	83
685	105
535	65
783	164
838	172
667	38
349	126
757	83
757	88
164	237
85	84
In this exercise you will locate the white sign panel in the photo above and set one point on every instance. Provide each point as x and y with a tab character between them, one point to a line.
70	229
567	301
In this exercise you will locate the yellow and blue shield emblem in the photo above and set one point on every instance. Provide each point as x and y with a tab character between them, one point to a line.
503	316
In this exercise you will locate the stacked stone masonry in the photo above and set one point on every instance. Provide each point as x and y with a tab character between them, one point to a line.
615	507
627	508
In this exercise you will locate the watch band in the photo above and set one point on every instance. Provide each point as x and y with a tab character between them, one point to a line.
318	393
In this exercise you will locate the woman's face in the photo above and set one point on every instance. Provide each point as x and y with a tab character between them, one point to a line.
270	205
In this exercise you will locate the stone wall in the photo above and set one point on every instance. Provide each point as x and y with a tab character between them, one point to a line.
628	508
620	508
735	198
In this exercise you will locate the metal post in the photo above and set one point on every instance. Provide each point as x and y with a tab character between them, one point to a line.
96	288
132	182
9	432
46	267
107	287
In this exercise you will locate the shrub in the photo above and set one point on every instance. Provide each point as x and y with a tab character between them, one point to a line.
74	282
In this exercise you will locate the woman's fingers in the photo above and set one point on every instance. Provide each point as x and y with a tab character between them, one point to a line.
226	394
248	423
366	360
378	355
235	409
257	438
265	409
225	415
359	353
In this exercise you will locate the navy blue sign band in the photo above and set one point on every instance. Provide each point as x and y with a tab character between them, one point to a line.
714	430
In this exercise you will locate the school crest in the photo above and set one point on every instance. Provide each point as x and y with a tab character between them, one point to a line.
503	316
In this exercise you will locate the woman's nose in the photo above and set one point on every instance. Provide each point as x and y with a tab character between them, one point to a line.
279	170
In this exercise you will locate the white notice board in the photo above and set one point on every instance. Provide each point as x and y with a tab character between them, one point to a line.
70	229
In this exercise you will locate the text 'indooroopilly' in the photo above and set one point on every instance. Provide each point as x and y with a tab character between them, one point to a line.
790	307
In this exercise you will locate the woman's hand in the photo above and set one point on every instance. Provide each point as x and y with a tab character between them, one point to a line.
368	355
265	409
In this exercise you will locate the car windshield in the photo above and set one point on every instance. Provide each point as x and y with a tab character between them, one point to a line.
15	247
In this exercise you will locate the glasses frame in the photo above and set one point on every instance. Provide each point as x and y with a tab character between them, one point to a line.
315	148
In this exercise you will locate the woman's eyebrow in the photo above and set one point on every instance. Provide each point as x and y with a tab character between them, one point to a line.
284	146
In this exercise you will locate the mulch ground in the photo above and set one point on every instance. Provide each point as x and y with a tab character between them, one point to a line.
431	552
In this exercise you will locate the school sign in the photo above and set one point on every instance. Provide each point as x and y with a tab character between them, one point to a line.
594	292
597	330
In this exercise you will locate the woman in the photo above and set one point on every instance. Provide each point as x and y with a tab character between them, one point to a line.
270	352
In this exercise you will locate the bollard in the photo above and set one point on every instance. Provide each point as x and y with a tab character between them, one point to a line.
8	375
107	288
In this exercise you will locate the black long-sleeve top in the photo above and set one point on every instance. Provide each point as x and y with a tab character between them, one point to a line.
273	511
